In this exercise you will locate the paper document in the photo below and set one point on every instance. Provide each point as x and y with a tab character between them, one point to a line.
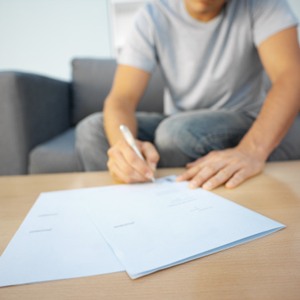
141	228
57	240
158	225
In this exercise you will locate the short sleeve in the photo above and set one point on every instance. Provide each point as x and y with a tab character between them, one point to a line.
270	17
139	50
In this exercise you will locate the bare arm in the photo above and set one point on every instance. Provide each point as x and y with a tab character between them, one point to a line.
120	105
280	56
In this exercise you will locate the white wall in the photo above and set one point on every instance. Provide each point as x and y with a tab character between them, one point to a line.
122	16
42	36
295	4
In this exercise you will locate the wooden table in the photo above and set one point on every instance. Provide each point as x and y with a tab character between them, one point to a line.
267	268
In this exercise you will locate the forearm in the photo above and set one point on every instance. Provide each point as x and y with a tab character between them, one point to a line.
277	115
117	112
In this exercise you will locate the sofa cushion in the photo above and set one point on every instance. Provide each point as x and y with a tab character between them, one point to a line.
55	156
92	81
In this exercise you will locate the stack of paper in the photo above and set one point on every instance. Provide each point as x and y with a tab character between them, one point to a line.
57	240
156	226
146	228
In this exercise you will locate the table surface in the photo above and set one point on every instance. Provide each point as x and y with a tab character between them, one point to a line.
267	268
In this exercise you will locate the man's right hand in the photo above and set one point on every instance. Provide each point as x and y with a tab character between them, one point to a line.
125	166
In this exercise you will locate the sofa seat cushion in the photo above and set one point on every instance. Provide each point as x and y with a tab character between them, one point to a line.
55	156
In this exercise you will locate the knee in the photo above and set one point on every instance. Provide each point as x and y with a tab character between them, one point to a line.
174	143
184	137
89	129
91	143
168	135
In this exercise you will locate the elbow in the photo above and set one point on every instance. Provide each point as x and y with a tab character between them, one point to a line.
289	76
117	103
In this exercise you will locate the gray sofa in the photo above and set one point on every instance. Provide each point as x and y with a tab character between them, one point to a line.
38	115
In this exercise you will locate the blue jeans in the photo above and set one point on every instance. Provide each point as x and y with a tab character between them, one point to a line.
180	138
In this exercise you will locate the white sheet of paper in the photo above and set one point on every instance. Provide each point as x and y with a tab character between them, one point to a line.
157	225
57	240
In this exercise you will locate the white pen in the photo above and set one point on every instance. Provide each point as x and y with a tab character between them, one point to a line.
130	140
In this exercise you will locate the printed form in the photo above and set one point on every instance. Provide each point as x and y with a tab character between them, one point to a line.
57	240
141	228
158	225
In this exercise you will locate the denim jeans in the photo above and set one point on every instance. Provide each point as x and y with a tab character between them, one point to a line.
180	138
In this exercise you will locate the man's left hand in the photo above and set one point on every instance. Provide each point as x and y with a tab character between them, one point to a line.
230	166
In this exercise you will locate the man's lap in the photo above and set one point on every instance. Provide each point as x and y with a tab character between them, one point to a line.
91	143
184	137
180	138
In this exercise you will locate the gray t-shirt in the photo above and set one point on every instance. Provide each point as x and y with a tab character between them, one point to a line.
212	65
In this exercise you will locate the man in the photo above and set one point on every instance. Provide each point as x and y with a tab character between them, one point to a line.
218	120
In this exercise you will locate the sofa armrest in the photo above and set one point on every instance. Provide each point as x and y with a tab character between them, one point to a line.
33	109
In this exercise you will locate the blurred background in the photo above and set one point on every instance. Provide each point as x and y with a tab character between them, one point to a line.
42	36
38	114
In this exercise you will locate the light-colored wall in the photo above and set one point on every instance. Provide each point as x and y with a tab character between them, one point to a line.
295	4
122	16
42	36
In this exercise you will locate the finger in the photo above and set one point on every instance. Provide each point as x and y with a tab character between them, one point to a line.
221	177
115	172
194	163
187	175
212	156
205	173
118	175
132	159
238	178
151	155
129	174
124	176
